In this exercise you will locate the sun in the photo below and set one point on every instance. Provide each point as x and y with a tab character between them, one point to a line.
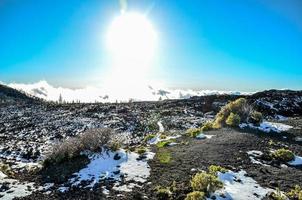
131	40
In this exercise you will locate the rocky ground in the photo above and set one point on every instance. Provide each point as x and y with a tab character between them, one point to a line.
29	127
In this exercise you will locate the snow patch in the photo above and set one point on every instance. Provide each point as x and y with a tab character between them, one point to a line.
268	127
157	139
15	188
239	186
281	118
203	136
297	161
114	165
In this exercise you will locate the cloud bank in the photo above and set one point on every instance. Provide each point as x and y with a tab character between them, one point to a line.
140	92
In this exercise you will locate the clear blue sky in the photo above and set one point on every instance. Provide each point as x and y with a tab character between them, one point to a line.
203	44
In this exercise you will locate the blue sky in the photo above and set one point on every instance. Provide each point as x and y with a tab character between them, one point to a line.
203	44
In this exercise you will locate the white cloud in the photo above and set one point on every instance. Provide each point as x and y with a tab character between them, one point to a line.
123	93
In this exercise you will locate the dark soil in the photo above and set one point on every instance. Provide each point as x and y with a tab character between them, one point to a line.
228	148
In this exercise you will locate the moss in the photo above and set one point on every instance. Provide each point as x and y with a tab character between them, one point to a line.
213	169
164	143
205	182
295	193
149	137
163	193
164	157
193	132
196	195
233	120
283	155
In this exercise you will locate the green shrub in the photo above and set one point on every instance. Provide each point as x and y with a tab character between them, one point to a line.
164	143
277	195
256	117
233	120
163	193
205	182
193	132
6	169
164	157
239	108
196	195
213	169
283	155
162	136
295	193
207	126
149	137
141	150
221	117
114	145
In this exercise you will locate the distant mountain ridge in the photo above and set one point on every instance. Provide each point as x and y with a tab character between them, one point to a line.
8	94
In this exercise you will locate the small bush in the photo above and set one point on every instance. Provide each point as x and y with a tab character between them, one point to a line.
295	193
207	126
196	195
114	145
233	120
221	117
162	136
239	108
213	169
6	169
283	155
95	139
163	193
164	143
205	182
193	132
141	150
256	117
92	140
164	157
277	195
149	137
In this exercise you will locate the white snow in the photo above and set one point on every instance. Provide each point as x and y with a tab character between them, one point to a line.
268	127
204	136
157	139
103	166
16	188
297	161
281	118
161	127
253	155
63	189
239	186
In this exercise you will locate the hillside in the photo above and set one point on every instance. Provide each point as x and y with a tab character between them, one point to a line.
137	168
9	95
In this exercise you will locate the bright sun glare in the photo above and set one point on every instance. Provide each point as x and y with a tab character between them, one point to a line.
131	40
